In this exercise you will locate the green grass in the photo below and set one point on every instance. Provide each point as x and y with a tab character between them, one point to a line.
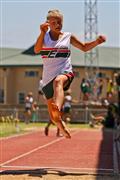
78	125
8	129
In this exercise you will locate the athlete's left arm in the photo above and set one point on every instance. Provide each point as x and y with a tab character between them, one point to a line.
88	45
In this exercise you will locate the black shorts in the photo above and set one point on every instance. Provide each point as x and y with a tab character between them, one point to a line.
27	109
48	89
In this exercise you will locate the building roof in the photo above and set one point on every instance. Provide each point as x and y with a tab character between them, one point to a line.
109	57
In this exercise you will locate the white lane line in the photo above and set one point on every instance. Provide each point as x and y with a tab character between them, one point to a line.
35	149
27	133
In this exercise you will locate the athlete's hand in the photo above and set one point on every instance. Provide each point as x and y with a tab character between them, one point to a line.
44	27
101	39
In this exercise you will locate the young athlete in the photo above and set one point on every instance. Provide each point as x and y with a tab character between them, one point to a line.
54	46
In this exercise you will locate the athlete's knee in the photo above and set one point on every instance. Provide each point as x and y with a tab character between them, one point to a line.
58	82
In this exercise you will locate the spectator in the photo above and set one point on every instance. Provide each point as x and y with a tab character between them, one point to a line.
85	89
28	107
118	118
35	109
67	106
99	89
107	120
110	88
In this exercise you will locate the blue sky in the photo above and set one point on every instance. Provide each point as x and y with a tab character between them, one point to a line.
20	20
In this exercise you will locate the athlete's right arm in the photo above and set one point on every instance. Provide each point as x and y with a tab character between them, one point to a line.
39	43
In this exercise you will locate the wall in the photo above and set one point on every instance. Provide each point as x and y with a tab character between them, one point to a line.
17	82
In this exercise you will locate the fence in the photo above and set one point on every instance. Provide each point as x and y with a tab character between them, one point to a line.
78	114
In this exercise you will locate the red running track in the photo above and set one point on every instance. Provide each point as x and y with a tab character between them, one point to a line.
89	151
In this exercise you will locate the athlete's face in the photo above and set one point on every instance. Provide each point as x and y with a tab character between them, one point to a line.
55	24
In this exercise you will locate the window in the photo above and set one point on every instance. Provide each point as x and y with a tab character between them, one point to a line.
1	96
31	73
21	98
101	75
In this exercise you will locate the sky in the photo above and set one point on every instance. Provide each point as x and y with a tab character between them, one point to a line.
20	20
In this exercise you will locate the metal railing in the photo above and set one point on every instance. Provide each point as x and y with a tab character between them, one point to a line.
78	114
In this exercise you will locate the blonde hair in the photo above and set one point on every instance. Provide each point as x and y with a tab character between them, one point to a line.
54	13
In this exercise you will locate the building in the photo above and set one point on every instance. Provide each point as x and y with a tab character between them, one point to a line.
20	71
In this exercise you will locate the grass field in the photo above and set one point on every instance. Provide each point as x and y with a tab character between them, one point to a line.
8	129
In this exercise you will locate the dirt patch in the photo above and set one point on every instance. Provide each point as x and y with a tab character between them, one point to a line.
58	177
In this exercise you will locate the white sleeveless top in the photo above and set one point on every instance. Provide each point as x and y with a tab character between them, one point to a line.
58	60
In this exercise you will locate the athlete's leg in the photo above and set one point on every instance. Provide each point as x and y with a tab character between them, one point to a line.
58	132
46	131
55	95
55	116
58	85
